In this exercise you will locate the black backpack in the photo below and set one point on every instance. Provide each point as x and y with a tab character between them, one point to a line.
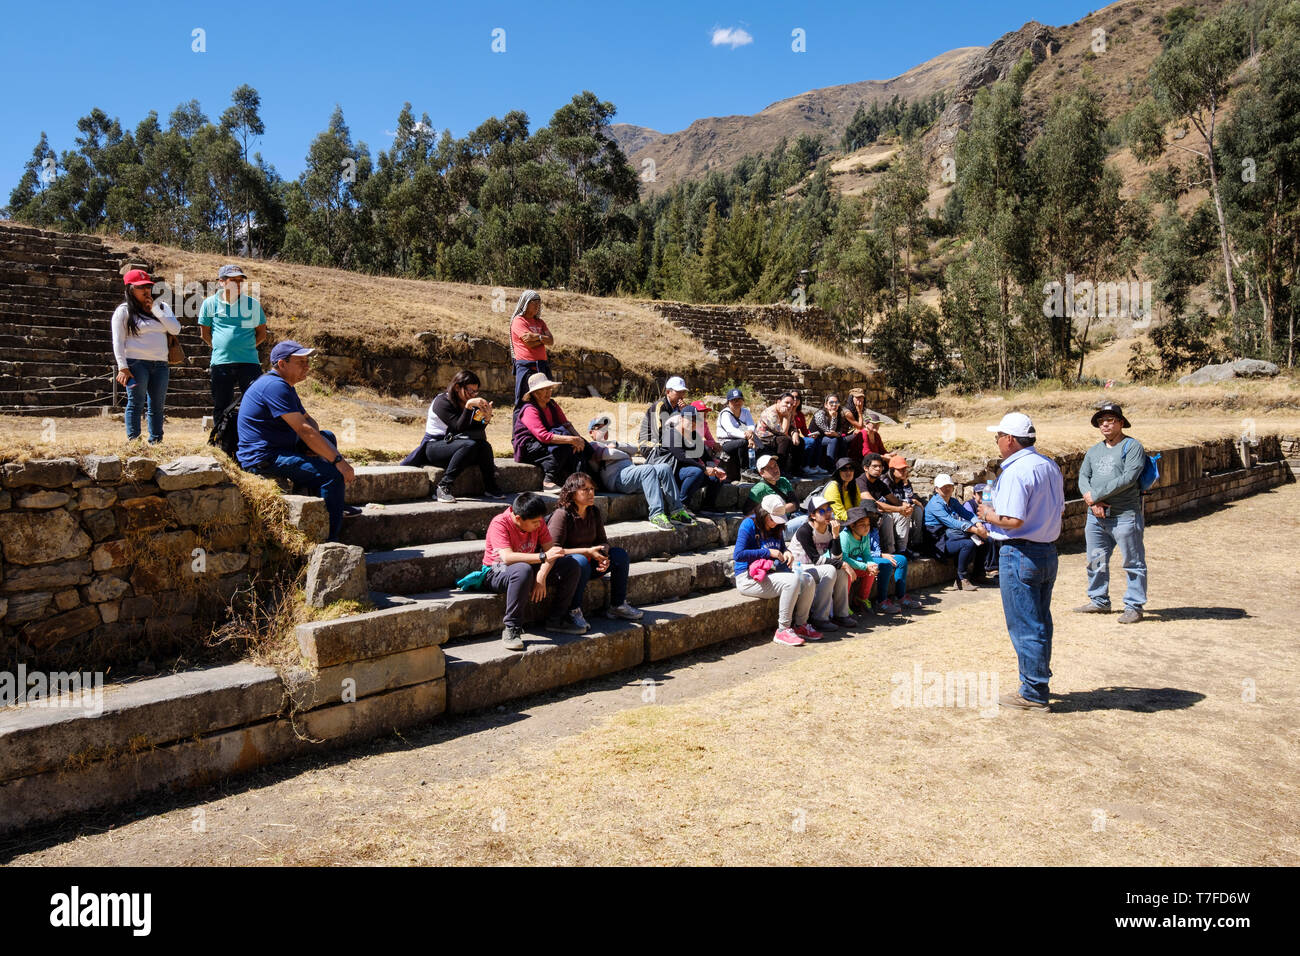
225	433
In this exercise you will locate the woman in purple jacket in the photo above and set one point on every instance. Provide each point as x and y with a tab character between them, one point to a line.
544	436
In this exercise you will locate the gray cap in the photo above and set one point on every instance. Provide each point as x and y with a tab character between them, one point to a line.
230	272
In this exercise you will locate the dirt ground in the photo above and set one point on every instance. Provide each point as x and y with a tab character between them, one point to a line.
1172	743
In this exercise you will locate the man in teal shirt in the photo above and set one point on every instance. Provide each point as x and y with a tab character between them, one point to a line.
234	325
1108	481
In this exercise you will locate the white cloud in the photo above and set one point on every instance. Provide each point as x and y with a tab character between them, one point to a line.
731	36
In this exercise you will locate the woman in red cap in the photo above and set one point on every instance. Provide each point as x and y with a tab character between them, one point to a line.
140	329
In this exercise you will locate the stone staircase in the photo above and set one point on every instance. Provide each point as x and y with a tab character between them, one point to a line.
722	333
57	294
417	548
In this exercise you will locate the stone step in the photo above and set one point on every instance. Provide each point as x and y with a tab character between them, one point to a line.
26	367
429	567
93	410
180	398
14	257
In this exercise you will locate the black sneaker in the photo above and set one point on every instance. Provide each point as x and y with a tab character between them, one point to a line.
351	511
493	494
444	494
512	638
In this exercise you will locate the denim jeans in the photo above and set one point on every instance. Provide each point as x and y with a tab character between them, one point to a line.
656	482
964	548
691	477
523	369
148	380
824	451
1026	573
617	570
882	576
227	378
314	474
1101	535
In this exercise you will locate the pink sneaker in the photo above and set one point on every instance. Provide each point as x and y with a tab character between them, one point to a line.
890	606
786	636
808	632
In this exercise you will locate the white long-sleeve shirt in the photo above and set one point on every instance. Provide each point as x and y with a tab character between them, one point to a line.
150	343
729	427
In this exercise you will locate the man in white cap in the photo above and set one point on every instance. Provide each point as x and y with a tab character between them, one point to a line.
653	432
1026	517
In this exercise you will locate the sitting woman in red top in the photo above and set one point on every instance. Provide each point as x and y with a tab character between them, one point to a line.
544	436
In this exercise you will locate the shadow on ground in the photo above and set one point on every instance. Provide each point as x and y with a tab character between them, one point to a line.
1143	700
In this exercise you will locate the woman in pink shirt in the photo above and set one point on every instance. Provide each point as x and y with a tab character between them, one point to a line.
544	436
529	338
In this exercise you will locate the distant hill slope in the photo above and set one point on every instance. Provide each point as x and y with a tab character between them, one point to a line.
718	142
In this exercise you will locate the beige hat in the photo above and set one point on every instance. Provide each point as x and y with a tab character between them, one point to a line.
774	505
538	380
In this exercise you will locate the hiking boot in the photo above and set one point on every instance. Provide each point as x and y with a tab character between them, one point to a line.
565	625
444	494
578	620
512	638
1016	702
1091	608
825	626
965	584
661	522
909	601
682	516
788	637
626	611
1131	615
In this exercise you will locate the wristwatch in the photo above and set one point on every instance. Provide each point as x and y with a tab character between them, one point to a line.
338	458
541	557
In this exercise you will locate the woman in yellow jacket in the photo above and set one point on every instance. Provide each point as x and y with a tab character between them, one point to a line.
841	491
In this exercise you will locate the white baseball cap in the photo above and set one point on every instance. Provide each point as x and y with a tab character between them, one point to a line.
1016	424
676	384
774	505
942	479
763	462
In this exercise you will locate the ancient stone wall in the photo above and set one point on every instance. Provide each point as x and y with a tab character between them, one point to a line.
110	562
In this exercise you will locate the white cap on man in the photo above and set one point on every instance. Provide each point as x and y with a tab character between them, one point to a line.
941	479
763	461
676	384
1015	424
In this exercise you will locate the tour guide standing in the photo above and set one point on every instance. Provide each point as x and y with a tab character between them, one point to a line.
234	325
1109	481
1026	517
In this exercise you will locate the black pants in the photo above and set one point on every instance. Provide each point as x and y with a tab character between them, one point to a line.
738	449
456	454
557	462
516	580
227	378
783	450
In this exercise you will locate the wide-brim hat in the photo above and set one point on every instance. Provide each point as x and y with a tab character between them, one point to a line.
845	463
1110	408
538	380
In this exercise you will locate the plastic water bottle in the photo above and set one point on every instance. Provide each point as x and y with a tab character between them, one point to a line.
753	460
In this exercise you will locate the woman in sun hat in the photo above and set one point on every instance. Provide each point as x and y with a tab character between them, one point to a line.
140	328
544	436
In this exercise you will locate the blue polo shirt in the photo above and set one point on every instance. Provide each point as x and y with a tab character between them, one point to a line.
263	433
1030	488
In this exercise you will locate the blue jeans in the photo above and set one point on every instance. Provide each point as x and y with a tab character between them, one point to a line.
148	380
823	452
882	577
1101	535
618	565
656	482
307	469
690	478
1026	573
228	377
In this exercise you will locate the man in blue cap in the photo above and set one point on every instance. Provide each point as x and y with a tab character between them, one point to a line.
234	325
278	439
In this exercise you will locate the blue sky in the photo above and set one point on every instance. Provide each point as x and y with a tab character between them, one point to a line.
654	59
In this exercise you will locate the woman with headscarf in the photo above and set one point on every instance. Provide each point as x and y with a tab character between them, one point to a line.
529	338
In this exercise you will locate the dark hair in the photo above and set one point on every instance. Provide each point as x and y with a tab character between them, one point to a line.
459	380
843	488
872	459
528	505
1025	442
788	395
829	397
135	313
571	485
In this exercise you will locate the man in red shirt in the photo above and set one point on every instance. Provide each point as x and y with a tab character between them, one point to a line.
529	338
518	543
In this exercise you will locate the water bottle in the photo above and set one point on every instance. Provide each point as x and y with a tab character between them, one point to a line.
753	460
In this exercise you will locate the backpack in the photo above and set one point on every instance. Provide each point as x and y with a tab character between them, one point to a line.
225	433
1150	472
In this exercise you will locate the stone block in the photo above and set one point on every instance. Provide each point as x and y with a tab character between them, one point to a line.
483	673
371	716
45	577
140	469
387	483
102	467
512	476
224	562
95	497
375	634
309	516
100	524
200	505
227	537
308	690
35	537
336	572
684	626
48	473
110	611
142	515
27	607
67	600
109	554
52	630
710	570
189	471
104	588
43	500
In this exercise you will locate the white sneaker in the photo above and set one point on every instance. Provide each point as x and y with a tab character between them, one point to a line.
626	611
578	620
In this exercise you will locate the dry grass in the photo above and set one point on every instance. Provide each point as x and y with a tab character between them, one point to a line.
813	354
386	313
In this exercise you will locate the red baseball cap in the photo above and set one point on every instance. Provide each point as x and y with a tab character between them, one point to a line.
137	277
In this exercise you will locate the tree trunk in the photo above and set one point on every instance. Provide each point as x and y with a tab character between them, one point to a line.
1223	226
